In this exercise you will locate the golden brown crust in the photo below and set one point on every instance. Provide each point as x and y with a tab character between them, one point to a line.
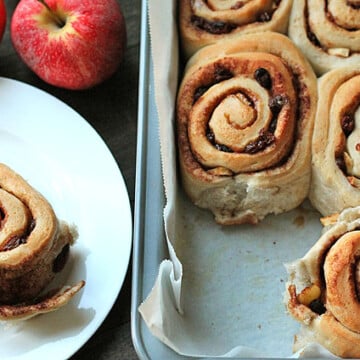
268	165
205	22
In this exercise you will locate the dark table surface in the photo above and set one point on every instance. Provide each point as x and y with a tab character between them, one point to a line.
111	108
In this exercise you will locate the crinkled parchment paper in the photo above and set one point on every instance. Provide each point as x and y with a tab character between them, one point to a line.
220	293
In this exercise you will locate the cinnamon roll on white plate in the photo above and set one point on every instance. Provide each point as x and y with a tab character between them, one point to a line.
34	248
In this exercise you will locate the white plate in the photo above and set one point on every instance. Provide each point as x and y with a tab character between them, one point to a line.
62	156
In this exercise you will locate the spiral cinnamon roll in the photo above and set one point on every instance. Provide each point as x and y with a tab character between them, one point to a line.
336	147
34	247
327	32
323	288
202	22
245	111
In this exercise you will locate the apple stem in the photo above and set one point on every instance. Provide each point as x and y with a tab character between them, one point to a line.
60	22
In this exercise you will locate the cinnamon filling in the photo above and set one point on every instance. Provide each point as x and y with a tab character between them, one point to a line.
346	157
220	74
61	259
265	139
355	4
340	162
212	27
17	240
266	136
263	77
221	147
348	124
311	34
317	306
238	5
276	103
257	104
265	16
2	215
221	27
356	275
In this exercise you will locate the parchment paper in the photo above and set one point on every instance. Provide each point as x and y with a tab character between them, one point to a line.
220	293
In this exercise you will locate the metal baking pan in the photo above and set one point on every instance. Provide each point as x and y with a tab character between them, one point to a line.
149	243
149	246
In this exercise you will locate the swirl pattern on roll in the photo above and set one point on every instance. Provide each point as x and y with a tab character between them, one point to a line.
202	22
327	31
336	146
34	247
245	112
323	288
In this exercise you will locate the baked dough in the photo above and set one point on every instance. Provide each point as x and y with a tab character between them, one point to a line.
34	247
327	32
245	112
336	147
204	22
323	287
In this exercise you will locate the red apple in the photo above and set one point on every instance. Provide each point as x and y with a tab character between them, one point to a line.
2	18
73	44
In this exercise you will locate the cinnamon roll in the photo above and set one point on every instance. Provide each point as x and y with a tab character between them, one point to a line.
202	22
327	32
245	112
323	288
34	247
336	147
